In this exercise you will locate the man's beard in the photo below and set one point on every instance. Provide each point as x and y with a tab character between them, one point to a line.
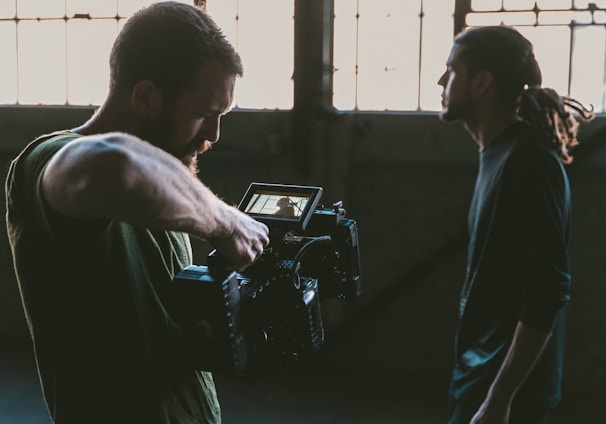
457	111
158	133
192	163
191	160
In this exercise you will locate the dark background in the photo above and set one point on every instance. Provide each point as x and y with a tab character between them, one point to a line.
407	180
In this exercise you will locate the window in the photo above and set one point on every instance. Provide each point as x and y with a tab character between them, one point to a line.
263	33
389	54
56	52
569	38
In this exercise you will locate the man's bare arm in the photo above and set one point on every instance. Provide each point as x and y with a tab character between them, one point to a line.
526	348
119	176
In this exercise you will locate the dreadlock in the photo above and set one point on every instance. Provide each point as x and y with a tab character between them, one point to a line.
510	57
556	116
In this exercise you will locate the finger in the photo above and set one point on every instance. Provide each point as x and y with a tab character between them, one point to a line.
265	228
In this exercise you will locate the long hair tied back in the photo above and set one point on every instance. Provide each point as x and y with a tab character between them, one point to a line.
556	116
509	56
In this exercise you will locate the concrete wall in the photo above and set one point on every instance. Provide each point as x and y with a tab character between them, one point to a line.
407	180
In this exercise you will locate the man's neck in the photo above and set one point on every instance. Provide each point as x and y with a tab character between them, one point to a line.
110	117
487	130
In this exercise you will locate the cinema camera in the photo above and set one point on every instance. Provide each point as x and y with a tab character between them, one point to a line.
267	318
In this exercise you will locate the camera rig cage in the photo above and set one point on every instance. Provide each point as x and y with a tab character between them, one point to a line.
268	317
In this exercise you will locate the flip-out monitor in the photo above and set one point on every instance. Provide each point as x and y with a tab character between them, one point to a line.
280	205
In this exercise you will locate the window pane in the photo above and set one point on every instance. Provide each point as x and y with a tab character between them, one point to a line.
41	9
225	14
128	7
589	44
497	18
529	4
599	17
553	62
8	64
94	8
438	30
267	52
581	4
388	57
344	61
555	18
486	4
376	56
88	47
518	4
7	9
556	4
42	75
377	49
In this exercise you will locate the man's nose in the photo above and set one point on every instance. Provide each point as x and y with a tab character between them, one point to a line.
211	129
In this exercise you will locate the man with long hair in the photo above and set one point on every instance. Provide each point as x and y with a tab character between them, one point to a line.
509	340
99	219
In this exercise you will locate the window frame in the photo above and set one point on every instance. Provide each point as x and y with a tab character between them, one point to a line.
313	60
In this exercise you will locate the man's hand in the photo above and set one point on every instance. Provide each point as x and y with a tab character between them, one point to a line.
245	243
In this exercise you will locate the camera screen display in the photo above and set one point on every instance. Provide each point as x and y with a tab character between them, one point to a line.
280	203
276	204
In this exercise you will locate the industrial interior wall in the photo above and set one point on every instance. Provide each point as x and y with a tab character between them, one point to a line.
407	180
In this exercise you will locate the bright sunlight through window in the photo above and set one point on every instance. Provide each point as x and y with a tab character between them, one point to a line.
56	52
388	54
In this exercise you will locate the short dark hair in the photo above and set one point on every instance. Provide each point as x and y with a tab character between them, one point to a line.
168	43
509	56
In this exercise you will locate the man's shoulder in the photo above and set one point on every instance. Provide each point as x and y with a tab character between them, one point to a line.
49	142
41	149
533	159
529	147
26	168
529	140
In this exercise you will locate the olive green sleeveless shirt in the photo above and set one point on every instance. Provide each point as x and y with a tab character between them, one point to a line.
96	296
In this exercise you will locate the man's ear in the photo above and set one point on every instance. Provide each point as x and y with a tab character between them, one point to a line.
147	98
482	81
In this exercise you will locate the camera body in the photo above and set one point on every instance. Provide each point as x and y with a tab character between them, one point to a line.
268	317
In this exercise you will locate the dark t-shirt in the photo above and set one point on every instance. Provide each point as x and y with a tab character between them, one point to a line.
517	267
95	296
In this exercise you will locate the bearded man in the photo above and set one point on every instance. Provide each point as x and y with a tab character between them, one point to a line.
99	219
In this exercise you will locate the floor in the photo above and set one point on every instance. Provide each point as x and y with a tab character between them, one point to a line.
311	397
337	388
295	398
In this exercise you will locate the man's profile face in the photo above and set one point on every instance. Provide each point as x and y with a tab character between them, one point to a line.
456	98
190	126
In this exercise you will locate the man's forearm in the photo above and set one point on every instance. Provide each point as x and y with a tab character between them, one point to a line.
121	177
526	348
